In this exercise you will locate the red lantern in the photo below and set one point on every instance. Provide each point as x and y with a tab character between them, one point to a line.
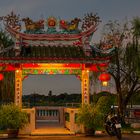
1	76
104	77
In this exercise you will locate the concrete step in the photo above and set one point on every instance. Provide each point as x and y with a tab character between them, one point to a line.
53	134
51	131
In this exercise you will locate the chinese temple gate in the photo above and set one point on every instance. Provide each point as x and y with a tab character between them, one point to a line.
52	46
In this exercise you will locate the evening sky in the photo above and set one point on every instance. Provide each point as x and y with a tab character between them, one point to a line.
67	9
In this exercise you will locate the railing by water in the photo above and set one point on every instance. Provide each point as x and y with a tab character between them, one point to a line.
49	114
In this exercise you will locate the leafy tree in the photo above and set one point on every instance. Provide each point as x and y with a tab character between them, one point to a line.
136	99
5	40
136	30
135	46
7	84
7	87
124	65
96	97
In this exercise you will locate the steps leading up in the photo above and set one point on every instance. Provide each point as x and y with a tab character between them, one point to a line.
51	130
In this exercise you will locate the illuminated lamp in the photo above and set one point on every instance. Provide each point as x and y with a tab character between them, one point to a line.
17	71
105	83
1	76
104	78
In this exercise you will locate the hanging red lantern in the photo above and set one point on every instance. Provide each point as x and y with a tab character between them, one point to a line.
1	76
104	78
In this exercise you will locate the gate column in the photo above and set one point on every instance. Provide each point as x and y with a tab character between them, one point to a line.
85	86
18	87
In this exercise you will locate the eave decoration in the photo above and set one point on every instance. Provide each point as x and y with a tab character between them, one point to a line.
26	25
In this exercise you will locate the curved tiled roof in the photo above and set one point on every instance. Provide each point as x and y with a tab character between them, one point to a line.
45	54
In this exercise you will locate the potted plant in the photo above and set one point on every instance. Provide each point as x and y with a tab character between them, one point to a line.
12	118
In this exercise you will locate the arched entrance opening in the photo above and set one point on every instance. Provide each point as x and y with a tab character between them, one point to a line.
51	90
52	113
49	94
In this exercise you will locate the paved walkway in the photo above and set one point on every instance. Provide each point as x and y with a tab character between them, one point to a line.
44	128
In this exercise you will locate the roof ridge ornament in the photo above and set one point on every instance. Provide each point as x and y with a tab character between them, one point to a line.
64	27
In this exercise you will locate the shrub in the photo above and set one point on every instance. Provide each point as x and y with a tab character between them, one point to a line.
102	107
86	115
12	117
92	116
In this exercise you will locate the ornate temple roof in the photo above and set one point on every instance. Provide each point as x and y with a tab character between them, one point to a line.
51	40
49	54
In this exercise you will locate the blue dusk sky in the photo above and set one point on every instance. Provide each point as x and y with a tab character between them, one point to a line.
67	9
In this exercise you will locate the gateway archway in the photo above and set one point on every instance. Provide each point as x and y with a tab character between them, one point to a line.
67	69
51	114
53	46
